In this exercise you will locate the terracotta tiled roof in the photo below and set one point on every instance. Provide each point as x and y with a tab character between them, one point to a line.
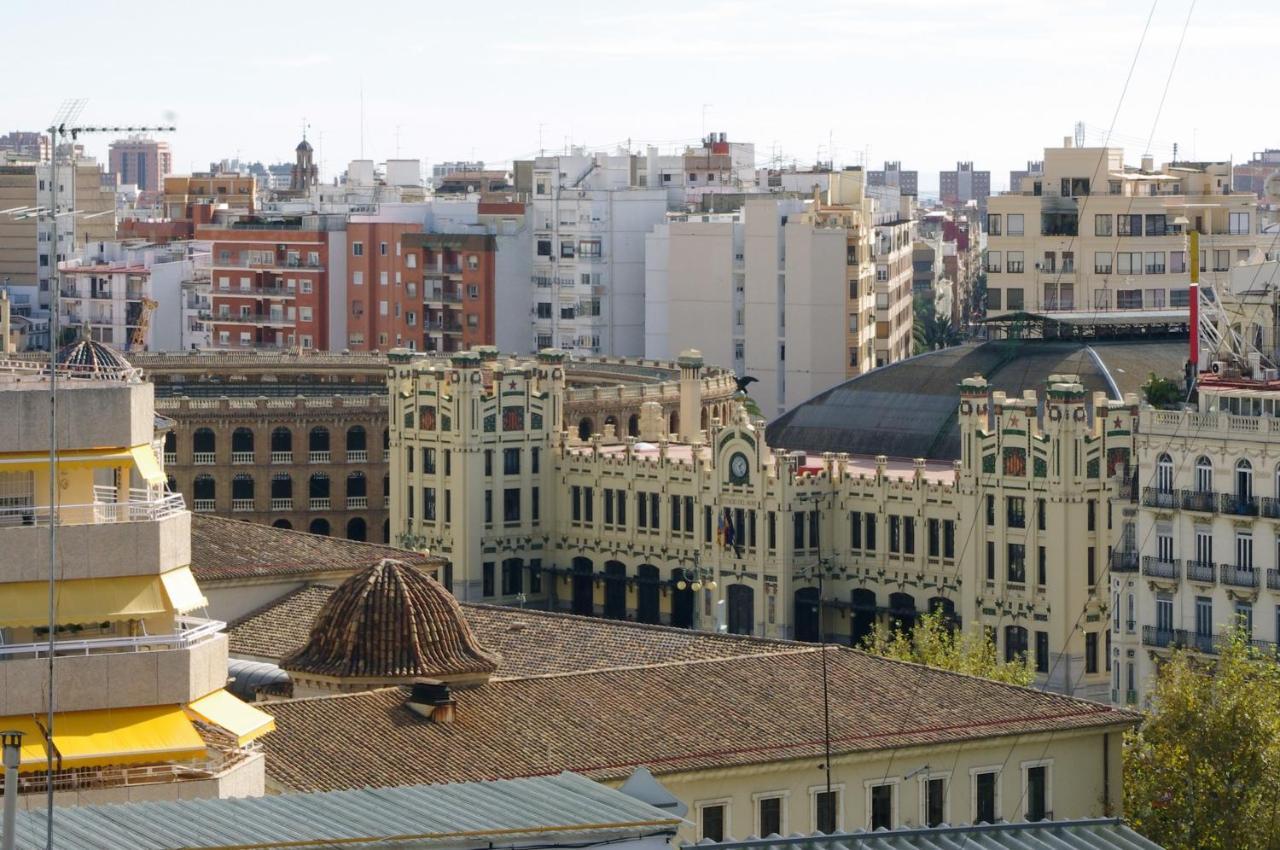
671	717
391	622
223	549
529	642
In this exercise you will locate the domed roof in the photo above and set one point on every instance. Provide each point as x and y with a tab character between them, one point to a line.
303	145
89	358
392	623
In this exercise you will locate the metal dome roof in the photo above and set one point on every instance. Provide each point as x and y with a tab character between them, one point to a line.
88	358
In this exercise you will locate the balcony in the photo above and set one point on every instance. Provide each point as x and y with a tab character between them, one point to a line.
357	502
1270	507
241	505
204	458
441	296
140	507
170	458
1124	562
241	458
1201	571
1153	497
1205	501
1178	638
1239	576
203	506
1156	568
256	319
320	504
318	457
282	457
1239	505
1273	579
285	504
357	456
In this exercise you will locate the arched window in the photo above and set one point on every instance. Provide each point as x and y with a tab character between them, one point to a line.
706	419
512	576
386	538
282	445
356	529
242	446
1244	480
647	593
204	492
1015	643
1204	475
357	445
612	421
357	491
281	492
318	444
1164	473
681	600
170	447
282	523
583	586
863	608
633	426
806	615
242	492
319	526
318	491
205	446
615	590
585	429
902	611
741	614
674	423
171	484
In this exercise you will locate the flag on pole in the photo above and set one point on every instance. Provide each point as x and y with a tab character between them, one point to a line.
720	530
727	520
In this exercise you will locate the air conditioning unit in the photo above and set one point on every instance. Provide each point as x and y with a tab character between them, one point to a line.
1218	367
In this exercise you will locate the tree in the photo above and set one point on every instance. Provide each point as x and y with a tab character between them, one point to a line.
1203	769
934	642
931	331
1161	392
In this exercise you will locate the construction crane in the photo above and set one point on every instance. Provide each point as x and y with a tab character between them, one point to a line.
138	341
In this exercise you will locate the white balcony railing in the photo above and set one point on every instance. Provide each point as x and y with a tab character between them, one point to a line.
241	458
140	507
190	631
203	506
318	457
204	458
320	504
285	504
357	456
170	458
357	502
241	505
282	457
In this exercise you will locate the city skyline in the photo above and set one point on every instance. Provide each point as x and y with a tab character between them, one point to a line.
602	77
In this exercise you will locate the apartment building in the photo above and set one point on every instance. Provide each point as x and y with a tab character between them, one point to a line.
589	219
271	282
697	522
138	674
25	145
1016	176
140	161
1252	175
892	252
1089	234
964	185
182	192
906	182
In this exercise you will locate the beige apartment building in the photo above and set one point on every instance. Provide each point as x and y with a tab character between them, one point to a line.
701	524
140	709
1089	234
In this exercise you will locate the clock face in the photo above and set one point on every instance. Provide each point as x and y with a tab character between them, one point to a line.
738	468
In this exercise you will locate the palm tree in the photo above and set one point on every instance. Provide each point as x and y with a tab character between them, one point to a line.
931	331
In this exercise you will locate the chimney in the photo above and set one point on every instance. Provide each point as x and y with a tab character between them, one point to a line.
1067	141
432	699
12	756
1148	163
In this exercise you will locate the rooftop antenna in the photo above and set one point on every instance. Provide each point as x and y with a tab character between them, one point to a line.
1079	134
362	118
705	107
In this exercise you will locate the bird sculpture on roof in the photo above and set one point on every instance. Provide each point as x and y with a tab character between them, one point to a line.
744	382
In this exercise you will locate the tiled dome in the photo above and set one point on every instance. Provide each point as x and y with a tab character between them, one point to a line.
388	624
89	358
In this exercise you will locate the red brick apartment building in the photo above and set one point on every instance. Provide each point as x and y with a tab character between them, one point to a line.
270	284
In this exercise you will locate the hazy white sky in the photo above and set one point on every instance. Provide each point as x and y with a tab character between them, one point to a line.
927	83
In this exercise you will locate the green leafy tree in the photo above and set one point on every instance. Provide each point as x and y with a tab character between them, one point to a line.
1202	772
934	642
930	331
1161	392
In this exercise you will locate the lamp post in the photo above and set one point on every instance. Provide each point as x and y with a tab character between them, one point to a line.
696	578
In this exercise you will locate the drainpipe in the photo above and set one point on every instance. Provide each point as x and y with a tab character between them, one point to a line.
12	755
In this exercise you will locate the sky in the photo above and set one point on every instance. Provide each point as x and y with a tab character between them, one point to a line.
925	83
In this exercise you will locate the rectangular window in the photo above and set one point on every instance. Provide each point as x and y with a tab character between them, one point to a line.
534	507
575	503
429	503
1091	652
1037	792
870	528
1015	512
488	507
826	811
1042	652
991	560
993	224
511	504
895	533
357	249
1016	568
770	816
621	503
512	577
935	801
487	579
1015	222
711	822
588	505
1204	616
908	535
985	805
1014	261
1102	262
1041	566
991	510
1102	224
1238	224
880	814
535	574
654	506
1091	567
510	461
934	538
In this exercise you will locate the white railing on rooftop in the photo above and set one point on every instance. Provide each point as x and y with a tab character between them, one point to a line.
140	507
190	631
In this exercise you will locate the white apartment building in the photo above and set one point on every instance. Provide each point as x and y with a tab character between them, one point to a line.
590	217
1088	234
785	290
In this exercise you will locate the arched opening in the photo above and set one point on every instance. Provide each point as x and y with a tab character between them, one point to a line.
681	600
242	446
242	492
357	444
1164	473
282	523
583	587
1204	475
1015	644
204	490
386	538
740	599
862	607
612	421
281	492
673	426
281	445
357	491
170	446
946	609
806	615
356	529
615	590
320	526
204	444
512	576
318	444
1244	481
633	426
647	591
318	491
171	484
902	612
706	419
585	429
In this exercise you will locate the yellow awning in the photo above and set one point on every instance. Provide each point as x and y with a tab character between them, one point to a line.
183	592
144	458
93	600
105	737
84	457
224	710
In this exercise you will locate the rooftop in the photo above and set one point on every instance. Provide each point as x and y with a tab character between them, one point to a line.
749	710
420	816
1099	834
